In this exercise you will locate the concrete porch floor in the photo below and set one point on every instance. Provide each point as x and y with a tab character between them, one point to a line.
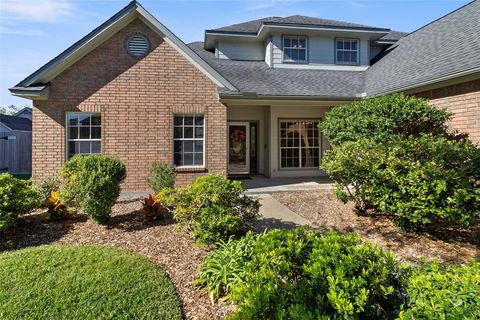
259	184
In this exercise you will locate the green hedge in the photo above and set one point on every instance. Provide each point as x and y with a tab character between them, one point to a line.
17	197
213	208
92	184
162	175
438	292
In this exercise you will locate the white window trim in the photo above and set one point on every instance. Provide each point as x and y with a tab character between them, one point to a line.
320	145
190	139
67	127
349	50
283	49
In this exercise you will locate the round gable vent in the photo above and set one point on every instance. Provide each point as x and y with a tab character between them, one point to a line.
138	45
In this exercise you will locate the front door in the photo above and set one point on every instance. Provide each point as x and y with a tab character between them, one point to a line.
238	147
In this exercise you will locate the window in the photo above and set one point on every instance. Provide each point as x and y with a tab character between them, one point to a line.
294	48
84	133
188	141
299	144
347	51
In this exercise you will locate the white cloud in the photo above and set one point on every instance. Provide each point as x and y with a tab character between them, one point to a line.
46	11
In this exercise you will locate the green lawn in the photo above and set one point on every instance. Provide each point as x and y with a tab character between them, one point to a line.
84	282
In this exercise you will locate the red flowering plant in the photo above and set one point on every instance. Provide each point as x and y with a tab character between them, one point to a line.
237	135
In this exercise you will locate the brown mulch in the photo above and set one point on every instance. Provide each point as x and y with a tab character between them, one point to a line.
445	243
173	250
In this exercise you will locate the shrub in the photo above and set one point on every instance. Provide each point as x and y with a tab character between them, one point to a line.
46	186
224	268
437	292
299	274
212	208
419	180
162	175
92	183
382	118
17	197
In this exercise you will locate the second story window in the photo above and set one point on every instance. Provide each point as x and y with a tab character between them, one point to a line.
346	51
294	49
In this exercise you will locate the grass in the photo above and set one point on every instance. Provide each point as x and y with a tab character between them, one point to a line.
84	282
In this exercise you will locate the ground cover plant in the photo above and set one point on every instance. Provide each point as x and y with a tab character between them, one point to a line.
91	183
83	282
212	208
395	154
17	197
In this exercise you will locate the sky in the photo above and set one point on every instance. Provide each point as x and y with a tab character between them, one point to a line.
32	32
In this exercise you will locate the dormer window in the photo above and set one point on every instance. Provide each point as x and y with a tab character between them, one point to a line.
346	51
294	49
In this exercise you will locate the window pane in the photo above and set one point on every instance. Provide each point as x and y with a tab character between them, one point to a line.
188	121
96	120
199	132
187	146
339	44
177	159
340	56
178	132
84	132
301	55
72	148
199	121
73	133
288	54
72	119
178	121
188	132
294	54
96	147
286	42
198	146
84	119
177	146
198	160
188	159
354	45
353	56
96	133
346	45
295	43
302	43
84	147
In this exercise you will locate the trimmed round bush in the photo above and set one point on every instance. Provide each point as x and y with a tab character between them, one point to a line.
382	118
162	175
16	198
84	282
212	208
91	183
439	292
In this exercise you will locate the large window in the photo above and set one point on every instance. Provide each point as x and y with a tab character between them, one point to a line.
347	51
188	141
84	135
294	48
299	144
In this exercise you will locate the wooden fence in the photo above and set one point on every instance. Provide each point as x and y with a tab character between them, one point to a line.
16	152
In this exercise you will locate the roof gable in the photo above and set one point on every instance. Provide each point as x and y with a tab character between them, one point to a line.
35	86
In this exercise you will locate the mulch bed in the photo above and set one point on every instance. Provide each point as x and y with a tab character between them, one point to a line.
159	241
445	243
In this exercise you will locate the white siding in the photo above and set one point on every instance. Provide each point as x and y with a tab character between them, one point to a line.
268	52
241	50
374	50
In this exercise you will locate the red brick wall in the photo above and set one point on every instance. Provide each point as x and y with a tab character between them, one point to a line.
464	101
137	99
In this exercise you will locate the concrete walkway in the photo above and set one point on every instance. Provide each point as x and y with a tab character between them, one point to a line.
275	215
262	184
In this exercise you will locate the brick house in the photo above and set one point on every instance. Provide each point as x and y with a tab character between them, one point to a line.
247	100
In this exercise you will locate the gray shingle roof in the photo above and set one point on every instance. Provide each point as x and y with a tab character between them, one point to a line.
445	47
254	25
393	36
257	77
16	123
